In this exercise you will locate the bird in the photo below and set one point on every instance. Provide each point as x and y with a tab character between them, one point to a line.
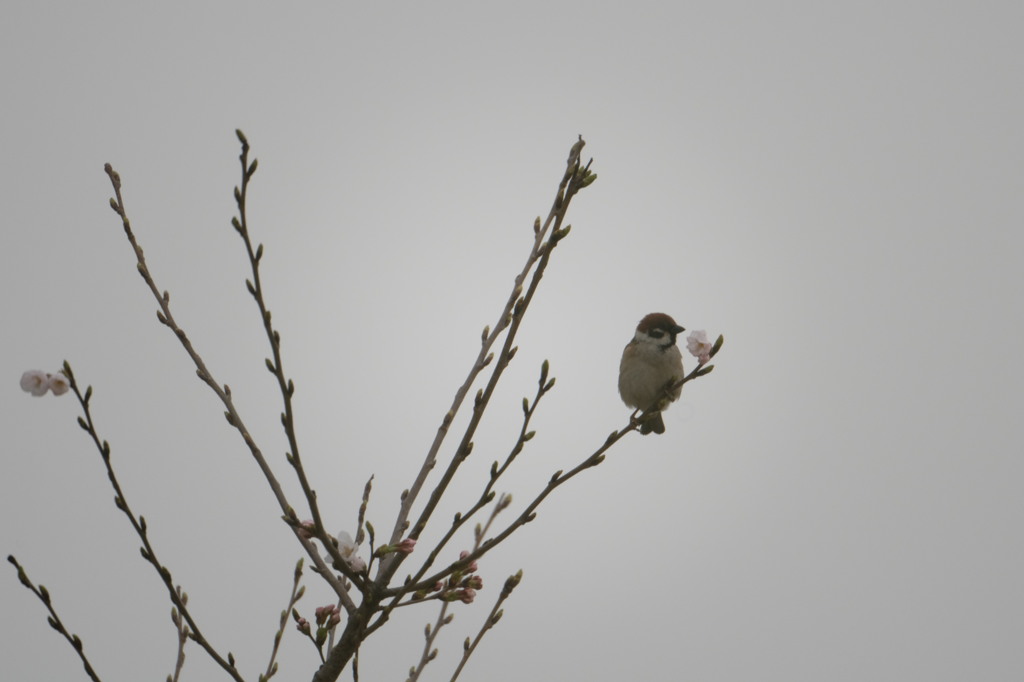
651	363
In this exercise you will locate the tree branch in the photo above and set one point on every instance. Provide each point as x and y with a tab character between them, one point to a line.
53	619
223	393
296	595
139	525
489	336
574	179
275	366
492	619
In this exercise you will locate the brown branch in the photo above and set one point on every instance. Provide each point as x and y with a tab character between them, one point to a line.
276	366
574	179
223	393
489	336
139	525
560	477
296	595
546	237
492	619
430	653
430	635
543	386
360	533
528	514
183	632
53	619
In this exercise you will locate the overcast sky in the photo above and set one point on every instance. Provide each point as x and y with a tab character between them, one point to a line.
835	187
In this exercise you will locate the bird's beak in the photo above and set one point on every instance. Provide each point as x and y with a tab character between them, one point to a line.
679	329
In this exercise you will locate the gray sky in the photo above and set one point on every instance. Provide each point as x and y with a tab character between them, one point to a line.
833	186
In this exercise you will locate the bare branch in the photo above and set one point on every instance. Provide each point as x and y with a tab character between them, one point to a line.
529	513
276	366
458	580
296	595
430	635
53	619
183	632
139	524
360	534
574	179
546	237
222	392
492	619
543	386
565	192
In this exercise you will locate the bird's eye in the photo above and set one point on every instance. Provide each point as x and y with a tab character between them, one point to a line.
656	333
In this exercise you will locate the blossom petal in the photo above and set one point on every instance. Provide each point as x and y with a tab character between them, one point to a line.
698	345
35	382
58	383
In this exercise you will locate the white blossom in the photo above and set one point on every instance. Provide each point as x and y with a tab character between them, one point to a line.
348	548
698	345
35	382
58	383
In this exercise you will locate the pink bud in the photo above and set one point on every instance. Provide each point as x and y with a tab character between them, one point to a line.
467	595
472	566
306	529
475	582
405	546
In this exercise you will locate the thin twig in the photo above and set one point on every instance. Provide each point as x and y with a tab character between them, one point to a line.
546	237
139	524
529	513
508	351
544	385
489	336
482	399
182	628
223	393
53	619
574	179
430	635
480	532
306	629
492	619
276	366
296	595
360	533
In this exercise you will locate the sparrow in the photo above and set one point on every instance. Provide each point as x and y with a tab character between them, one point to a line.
650	362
